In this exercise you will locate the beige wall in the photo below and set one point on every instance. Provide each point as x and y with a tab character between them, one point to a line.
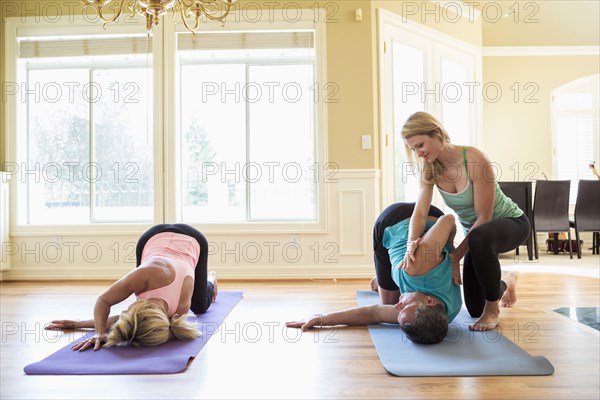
350	67
433	16
518	130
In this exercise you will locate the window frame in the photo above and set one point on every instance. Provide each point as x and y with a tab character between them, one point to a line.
165	157
172	181
73	25
593	81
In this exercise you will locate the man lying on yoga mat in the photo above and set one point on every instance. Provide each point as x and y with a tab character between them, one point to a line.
169	280
424	296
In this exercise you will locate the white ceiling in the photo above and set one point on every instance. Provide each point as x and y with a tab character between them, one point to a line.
540	23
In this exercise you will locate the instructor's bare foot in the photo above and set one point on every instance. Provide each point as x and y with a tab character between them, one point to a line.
374	284
489	319
509	298
212	277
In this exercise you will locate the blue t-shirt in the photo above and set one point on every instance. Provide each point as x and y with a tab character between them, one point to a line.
437	282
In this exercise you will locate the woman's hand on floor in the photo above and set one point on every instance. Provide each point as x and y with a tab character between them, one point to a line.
97	341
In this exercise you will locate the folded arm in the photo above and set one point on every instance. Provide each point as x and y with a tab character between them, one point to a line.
417	222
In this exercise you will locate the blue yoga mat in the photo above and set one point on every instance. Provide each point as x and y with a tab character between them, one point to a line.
169	358
461	353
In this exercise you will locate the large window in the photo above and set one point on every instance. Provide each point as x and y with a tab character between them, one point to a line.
117	126
575	127
247	124
84	132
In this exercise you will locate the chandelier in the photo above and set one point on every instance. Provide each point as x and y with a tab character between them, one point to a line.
193	10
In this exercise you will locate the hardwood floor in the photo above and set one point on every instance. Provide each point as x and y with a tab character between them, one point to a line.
255	356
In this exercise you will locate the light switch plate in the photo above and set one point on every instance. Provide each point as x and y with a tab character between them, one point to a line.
366	142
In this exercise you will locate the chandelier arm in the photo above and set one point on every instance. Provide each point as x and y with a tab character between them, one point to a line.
219	18
185	23
107	20
200	8
185	3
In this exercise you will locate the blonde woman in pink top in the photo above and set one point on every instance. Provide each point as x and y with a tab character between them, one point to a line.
169	281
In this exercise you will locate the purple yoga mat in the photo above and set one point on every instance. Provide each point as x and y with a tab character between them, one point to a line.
169	358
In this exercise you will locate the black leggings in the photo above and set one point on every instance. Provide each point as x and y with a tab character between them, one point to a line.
391	216
481	268
203	290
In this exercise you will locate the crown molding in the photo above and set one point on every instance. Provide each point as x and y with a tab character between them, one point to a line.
535	51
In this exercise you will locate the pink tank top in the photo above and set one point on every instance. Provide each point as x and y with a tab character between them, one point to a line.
183	252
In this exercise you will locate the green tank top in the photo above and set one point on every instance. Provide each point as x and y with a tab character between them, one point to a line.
463	203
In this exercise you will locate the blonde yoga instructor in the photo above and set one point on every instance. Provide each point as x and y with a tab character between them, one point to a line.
493	223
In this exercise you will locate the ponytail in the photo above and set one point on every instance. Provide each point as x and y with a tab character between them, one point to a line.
182	329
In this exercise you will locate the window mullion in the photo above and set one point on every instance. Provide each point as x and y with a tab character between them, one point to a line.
28	149
248	183
91	142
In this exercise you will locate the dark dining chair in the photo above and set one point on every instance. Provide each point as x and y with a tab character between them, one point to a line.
551	211
520	193
587	213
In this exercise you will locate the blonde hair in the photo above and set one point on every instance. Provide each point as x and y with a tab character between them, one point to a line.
422	123
147	324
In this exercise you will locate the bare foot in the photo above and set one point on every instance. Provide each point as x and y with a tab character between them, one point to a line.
374	284
509	298
212	277
489	319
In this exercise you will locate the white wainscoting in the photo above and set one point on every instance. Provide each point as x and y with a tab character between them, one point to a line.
343	250
4	234
352	222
